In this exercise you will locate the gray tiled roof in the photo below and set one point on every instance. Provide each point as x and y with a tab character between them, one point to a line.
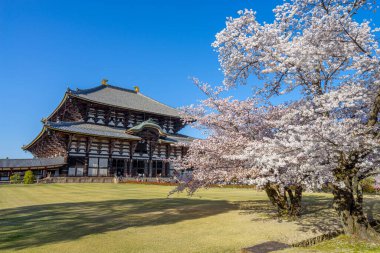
91	129
124	98
27	163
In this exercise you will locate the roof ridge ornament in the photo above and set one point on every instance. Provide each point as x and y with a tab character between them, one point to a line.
104	82
150	123
137	89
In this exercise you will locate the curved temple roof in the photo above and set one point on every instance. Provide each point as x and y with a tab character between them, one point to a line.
125	98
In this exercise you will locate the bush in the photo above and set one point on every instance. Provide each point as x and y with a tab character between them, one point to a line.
15	178
29	177
368	185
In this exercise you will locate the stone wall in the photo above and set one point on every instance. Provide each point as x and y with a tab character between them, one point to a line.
77	180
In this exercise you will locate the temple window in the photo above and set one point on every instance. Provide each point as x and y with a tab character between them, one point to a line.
76	166
98	167
4	176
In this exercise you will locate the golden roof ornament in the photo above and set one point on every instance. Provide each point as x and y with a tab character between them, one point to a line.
104	82
137	89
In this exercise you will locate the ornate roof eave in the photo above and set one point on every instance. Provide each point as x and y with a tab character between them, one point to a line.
47	127
173	143
26	147
165	142
146	124
60	105
176	142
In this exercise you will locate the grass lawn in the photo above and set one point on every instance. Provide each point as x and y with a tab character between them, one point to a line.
140	218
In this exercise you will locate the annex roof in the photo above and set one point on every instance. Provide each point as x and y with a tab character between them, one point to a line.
32	163
124	98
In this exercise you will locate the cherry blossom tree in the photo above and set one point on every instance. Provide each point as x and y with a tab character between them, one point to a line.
329	137
322	50
232	126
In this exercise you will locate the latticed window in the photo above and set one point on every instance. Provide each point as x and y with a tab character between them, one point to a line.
4	176
76	166
98	167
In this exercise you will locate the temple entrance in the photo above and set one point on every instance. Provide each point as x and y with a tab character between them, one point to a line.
118	166
157	168
141	167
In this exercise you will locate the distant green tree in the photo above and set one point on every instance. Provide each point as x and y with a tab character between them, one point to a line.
29	177
15	178
368	185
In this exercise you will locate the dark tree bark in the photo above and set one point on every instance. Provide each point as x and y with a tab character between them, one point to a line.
277	199
295	200
287	202
348	202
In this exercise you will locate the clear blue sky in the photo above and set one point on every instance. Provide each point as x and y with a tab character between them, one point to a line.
47	46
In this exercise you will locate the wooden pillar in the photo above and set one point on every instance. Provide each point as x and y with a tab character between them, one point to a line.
107	116
150	169
146	167
126	171
131	171
132	148
167	169
163	172
168	149
88	145
87	108
110	151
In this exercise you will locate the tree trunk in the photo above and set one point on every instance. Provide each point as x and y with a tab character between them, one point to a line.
295	200
348	202
277	199
286	202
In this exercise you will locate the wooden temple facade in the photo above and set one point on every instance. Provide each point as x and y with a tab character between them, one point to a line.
105	131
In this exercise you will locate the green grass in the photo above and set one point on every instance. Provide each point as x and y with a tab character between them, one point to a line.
341	244
140	218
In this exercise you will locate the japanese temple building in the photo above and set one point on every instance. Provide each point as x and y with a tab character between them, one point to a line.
104	131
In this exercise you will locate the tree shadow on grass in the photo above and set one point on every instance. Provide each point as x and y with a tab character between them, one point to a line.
318	215
33	226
